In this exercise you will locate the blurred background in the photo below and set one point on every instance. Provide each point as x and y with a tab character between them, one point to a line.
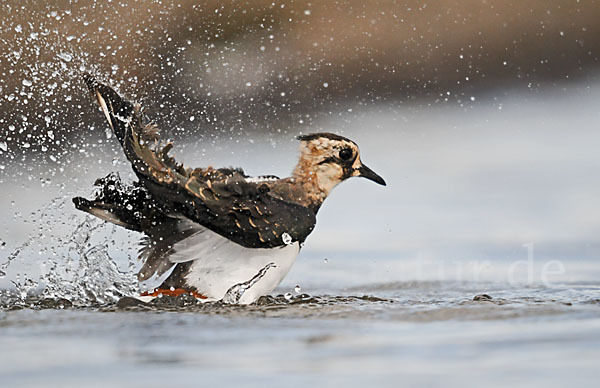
482	116
270	66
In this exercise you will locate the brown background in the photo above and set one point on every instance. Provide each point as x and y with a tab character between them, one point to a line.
239	66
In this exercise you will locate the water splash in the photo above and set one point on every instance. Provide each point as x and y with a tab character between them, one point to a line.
90	274
74	266
235	293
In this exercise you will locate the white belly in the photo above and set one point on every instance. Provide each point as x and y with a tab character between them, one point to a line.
219	264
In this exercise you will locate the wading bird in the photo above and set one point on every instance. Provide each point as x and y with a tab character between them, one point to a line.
215	233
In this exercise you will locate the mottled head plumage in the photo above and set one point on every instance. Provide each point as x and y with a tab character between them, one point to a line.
327	159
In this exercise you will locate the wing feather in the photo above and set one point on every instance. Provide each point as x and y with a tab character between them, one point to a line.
222	200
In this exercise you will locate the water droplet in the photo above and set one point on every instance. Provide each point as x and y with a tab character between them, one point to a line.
297	289
26	82
192	118
3	146
325	260
65	56
325	84
288	295
287	239
307	12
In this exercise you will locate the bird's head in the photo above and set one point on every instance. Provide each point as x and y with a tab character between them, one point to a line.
327	159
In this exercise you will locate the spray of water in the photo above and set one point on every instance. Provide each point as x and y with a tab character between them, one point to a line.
75	265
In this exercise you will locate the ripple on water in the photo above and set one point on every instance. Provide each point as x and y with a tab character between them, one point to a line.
414	308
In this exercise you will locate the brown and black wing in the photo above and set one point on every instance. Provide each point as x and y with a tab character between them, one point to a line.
128	205
243	212
219	199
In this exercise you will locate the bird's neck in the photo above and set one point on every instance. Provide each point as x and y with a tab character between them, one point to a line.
313	182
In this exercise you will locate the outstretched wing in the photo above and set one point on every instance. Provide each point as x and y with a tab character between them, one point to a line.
219	199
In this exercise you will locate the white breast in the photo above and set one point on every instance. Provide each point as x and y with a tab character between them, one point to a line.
220	264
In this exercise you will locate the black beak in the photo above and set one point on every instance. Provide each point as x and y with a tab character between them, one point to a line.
366	172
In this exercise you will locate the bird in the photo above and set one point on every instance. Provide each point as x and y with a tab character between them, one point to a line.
214	233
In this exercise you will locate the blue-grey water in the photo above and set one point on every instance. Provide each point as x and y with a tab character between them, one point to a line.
423	334
497	196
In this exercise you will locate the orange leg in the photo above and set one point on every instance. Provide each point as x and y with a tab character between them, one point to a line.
175	292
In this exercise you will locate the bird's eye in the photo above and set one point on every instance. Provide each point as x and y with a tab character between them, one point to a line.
346	154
